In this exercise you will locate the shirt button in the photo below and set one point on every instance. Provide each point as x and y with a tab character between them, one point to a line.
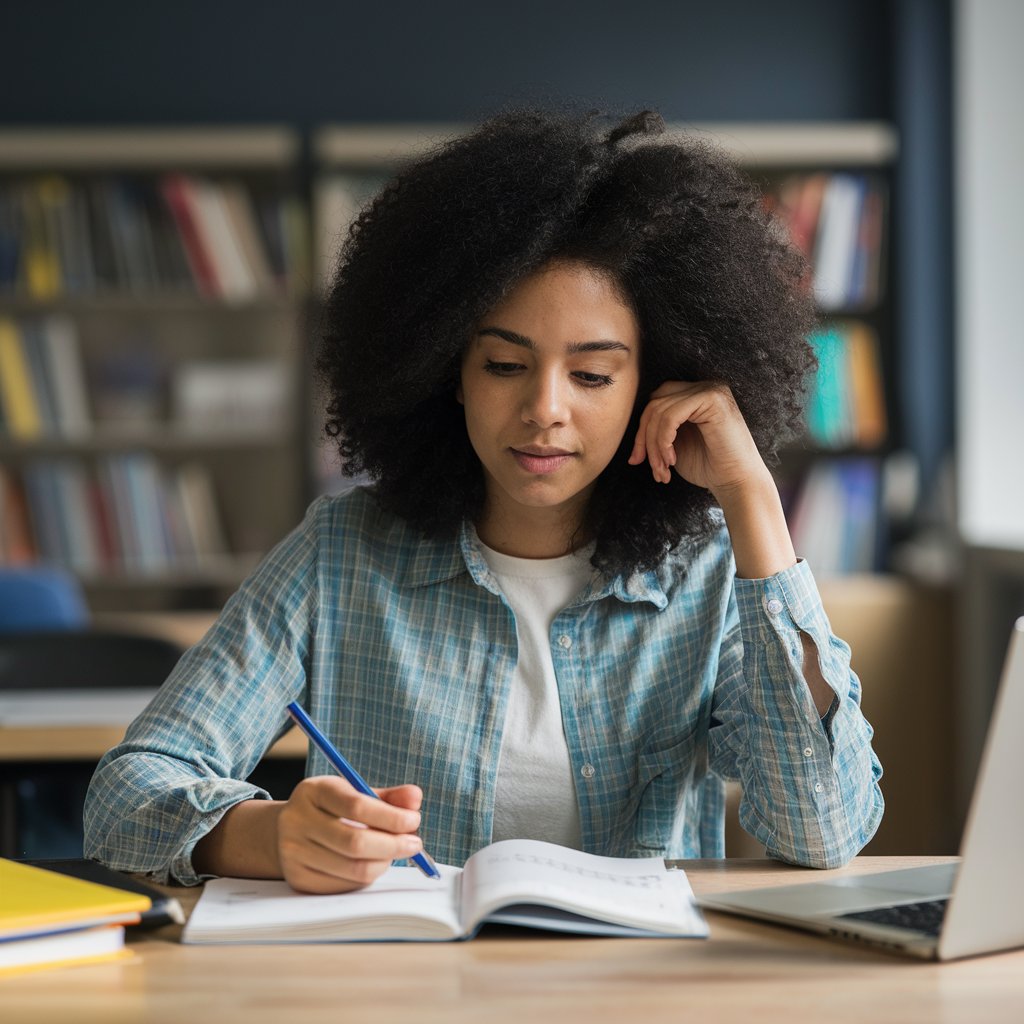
808	752
587	771
774	606
565	641
818	787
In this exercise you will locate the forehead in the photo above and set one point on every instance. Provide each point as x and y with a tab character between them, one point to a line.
566	302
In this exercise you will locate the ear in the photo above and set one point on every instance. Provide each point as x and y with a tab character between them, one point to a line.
459	397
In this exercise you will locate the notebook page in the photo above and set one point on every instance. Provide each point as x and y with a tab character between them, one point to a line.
402	903
639	893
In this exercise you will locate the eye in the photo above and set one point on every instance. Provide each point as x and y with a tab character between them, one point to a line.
501	369
593	380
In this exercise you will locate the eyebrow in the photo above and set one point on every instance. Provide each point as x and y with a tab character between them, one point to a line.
514	338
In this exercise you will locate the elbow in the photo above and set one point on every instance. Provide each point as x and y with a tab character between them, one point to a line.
822	859
834	844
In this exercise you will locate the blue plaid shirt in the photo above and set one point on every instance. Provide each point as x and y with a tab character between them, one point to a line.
402	649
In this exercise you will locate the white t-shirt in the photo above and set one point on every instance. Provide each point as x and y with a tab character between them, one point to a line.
536	792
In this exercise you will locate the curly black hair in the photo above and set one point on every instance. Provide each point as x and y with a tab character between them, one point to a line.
681	232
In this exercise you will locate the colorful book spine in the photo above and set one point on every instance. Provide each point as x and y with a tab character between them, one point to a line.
21	413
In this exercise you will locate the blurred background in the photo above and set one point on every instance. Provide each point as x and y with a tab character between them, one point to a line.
174	184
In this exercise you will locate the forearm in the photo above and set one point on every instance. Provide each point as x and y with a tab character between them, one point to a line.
145	811
762	547
243	844
810	787
758	531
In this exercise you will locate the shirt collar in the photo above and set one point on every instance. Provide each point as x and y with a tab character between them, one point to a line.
438	560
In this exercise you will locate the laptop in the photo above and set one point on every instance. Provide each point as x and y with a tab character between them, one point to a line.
938	912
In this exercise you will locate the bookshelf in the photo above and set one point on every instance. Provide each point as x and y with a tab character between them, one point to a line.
829	186
152	289
155	419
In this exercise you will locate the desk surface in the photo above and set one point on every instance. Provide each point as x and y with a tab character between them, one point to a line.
91	742
746	971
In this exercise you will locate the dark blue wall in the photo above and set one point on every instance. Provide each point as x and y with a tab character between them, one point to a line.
311	61
308	62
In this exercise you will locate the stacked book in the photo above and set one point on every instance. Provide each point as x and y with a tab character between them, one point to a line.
49	919
176	232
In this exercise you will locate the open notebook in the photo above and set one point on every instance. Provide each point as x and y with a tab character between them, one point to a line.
518	881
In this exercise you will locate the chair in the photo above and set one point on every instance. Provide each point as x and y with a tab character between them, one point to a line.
38	597
41	801
74	659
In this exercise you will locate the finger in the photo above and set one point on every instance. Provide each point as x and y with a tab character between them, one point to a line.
408	796
674	387
338	799
639	452
642	445
659	427
335	838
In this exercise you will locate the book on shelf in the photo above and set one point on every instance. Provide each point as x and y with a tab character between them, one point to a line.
43	391
516	882
177	194
243	224
134	255
50	919
65	372
235	280
19	408
846	407
17	544
837	221
129	514
39	271
197	515
145	235
835	516
835	244
249	395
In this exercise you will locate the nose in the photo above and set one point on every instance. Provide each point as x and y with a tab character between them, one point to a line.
546	401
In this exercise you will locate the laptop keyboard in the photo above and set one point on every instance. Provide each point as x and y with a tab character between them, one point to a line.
923	917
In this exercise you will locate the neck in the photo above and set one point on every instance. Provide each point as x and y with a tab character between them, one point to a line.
531	532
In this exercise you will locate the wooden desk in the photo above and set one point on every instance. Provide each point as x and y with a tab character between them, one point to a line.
91	742
745	972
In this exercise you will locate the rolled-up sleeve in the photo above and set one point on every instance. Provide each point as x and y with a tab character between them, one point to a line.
182	762
810	784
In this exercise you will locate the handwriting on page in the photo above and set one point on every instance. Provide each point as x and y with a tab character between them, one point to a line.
630	881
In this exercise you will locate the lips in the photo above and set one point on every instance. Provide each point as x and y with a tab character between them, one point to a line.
540	459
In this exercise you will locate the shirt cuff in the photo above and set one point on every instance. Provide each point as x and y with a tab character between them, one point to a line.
181	869
775	610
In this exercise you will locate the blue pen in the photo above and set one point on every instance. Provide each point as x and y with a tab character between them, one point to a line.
422	860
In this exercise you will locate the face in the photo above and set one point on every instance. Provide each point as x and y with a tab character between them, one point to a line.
549	381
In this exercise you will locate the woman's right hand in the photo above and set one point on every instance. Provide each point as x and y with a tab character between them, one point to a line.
331	838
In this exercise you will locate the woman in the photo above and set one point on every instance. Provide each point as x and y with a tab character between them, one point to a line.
569	607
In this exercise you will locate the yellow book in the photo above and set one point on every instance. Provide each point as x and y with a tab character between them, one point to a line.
34	902
40	201
17	395
866	392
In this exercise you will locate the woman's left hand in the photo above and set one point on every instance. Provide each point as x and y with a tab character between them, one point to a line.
698	430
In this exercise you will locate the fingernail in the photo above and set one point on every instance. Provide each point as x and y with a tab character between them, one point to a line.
411	845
